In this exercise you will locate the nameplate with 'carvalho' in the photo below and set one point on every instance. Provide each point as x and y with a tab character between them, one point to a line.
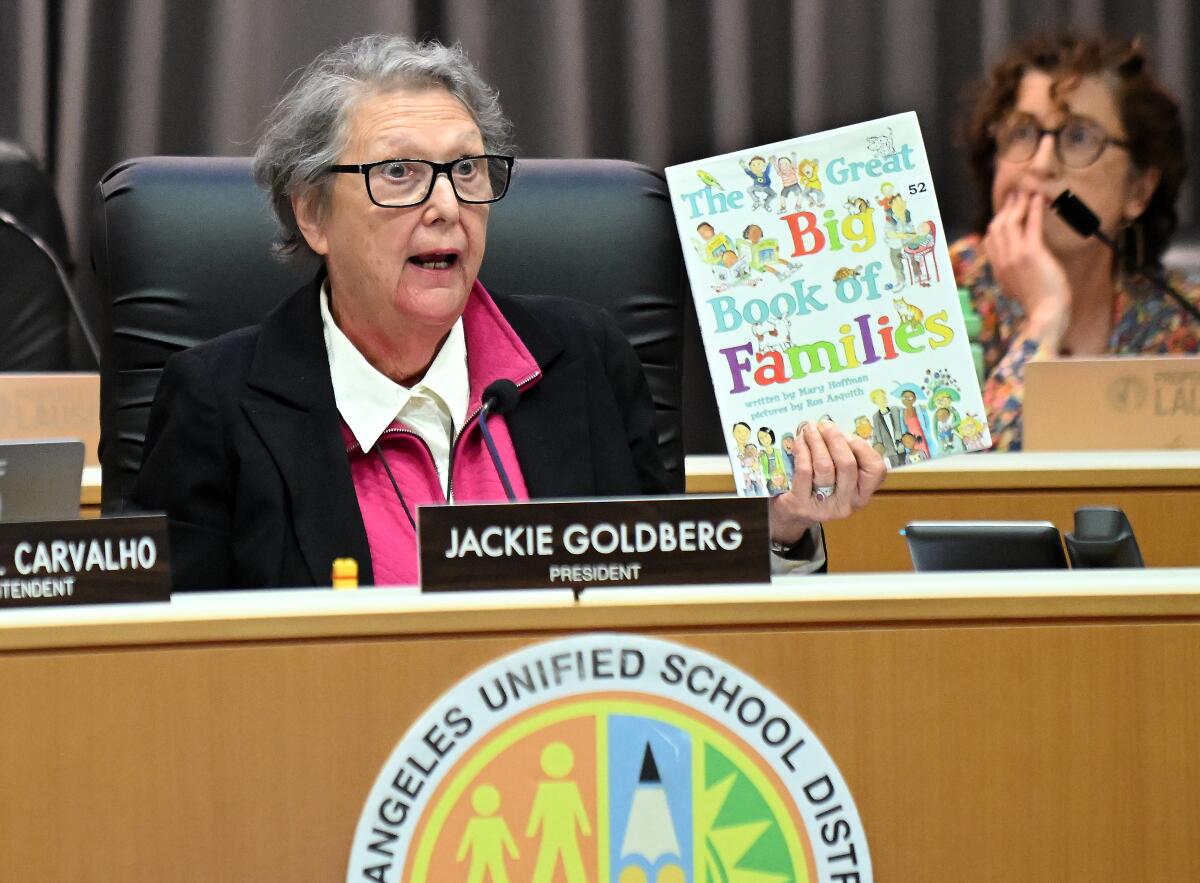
584	543
84	561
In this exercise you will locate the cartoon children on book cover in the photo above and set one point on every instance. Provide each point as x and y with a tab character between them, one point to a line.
823	290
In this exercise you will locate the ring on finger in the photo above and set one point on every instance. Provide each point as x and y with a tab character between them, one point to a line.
823	492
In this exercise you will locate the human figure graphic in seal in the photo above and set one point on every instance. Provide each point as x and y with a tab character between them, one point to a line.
559	813
486	839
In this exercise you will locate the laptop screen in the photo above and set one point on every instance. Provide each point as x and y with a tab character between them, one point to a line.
40	480
984	545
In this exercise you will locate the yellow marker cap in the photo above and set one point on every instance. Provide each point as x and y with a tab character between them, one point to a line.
345	573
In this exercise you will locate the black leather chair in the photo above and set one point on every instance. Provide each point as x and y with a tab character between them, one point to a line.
35	329
181	251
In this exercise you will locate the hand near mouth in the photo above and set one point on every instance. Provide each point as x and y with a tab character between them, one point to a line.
1026	269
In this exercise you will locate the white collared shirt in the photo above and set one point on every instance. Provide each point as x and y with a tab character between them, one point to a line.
435	408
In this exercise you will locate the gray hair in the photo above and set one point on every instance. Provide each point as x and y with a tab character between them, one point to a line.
309	128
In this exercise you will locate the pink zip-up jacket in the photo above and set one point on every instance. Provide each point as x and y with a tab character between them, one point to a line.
494	352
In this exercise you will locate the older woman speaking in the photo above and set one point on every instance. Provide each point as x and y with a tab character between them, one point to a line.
317	434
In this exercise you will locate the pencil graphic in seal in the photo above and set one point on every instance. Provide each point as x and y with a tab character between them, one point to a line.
650	831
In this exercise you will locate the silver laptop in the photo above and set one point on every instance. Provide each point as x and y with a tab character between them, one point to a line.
1124	403
40	480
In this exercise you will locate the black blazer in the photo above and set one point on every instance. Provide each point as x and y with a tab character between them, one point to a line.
245	454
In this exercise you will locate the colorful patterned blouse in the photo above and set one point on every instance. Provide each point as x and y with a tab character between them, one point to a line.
1144	321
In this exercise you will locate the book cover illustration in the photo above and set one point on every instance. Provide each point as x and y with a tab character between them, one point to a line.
823	289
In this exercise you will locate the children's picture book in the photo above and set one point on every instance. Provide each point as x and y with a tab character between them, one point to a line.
824	290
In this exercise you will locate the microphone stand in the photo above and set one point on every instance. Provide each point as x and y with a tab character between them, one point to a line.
499	398
484	413
10	221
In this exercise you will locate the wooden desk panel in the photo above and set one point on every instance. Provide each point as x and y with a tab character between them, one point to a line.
1056	748
1166	522
1159	491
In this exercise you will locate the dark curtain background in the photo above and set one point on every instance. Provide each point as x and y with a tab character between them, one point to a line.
86	83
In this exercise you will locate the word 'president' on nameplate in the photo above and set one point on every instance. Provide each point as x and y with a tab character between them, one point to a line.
582	543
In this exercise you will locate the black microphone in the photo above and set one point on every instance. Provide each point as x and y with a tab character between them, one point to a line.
500	397
12	223
1079	217
1103	537
1083	221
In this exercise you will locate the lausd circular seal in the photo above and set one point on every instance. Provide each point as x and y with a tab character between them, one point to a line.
608	757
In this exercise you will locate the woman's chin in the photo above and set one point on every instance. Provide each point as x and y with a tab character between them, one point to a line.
1063	240
434	302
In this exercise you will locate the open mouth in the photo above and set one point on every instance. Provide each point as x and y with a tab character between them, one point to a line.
435	260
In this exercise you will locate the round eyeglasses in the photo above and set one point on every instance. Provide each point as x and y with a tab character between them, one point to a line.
1078	141
400	183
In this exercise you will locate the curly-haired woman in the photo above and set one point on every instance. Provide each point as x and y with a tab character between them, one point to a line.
1063	113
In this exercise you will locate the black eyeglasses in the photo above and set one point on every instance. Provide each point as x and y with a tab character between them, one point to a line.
1078	142
400	183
